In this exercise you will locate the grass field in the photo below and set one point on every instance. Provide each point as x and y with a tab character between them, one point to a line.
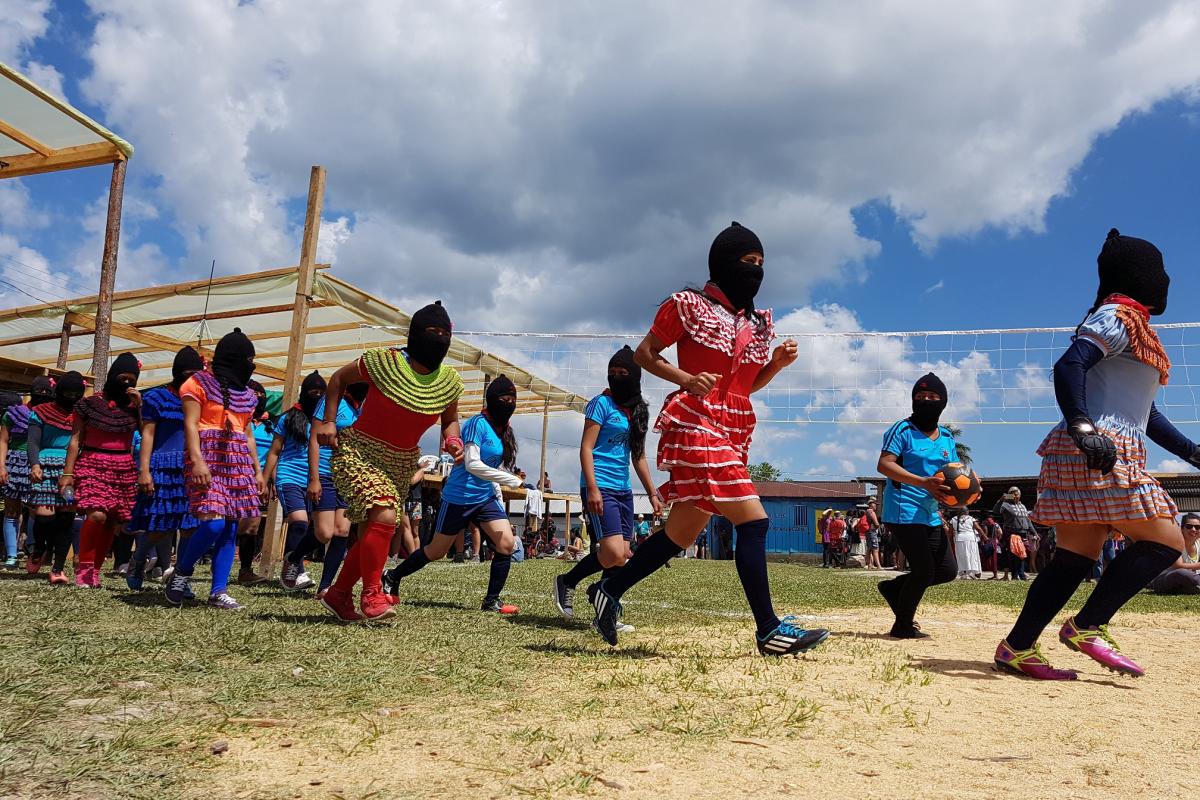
113	694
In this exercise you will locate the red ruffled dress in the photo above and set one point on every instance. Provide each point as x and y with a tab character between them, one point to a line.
705	441
105	475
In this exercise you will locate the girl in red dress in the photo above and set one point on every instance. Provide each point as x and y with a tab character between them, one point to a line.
705	426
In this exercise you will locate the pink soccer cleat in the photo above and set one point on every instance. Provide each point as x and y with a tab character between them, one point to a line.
1097	644
1030	663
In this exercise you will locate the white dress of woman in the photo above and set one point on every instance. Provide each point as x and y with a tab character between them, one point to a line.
966	547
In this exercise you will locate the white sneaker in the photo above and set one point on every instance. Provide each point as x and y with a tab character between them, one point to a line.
304	581
625	627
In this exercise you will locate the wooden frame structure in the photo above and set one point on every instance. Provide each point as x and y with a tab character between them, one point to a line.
42	133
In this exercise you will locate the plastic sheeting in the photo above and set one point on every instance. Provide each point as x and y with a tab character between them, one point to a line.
47	119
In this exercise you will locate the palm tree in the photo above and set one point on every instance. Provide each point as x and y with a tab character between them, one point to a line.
964	450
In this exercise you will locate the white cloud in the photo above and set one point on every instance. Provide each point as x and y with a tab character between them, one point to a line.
24	22
935	287
1173	465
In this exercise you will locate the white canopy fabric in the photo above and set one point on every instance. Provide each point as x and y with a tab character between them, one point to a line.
155	322
43	133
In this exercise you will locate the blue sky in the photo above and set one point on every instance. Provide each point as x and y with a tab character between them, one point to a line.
965	180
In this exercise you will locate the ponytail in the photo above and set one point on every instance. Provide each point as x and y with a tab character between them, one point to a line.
639	424
509	440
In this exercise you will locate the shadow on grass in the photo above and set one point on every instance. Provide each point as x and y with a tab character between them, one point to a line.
987	670
638	652
435	604
547	622
319	618
147	599
14	575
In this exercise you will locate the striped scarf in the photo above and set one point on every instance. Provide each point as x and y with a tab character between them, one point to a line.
1143	341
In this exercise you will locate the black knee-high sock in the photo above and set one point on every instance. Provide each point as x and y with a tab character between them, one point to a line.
497	577
410	565
1127	575
751	560
295	533
308	542
1049	592
43	535
590	565
652	554
61	529
246	553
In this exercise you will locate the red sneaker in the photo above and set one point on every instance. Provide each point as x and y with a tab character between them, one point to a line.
57	578
375	605
340	604
394	599
503	609
33	564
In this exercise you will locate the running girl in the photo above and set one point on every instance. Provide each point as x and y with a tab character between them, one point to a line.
162	508
724	356
614	433
287	475
1094	476
14	462
100	461
470	496
49	433
224	477
374	461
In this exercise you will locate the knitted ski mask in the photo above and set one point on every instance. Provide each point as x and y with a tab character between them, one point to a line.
311	391
68	391
926	413
117	383
498	411
187	363
233	360
42	391
1132	267
626	390
429	349
737	279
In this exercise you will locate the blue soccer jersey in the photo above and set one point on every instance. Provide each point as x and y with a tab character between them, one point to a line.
610	456
347	415
920	455
462	488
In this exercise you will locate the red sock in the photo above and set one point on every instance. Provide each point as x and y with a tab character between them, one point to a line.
104	541
350	572
88	535
373	546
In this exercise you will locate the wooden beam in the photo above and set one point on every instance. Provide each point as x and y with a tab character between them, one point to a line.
21	137
258	337
108	273
273	540
84	155
236	313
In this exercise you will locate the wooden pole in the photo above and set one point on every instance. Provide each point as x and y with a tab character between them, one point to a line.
64	343
545	428
273	543
108	274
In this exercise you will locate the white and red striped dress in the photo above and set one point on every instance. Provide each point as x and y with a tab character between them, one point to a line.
705	441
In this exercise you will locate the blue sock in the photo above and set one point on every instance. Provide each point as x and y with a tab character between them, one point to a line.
308	542
295	534
10	537
223	559
334	554
141	548
750	558
198	544
498	576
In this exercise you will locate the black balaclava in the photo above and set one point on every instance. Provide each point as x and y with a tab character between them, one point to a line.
425	348
312	389
187	363
115	386
927	412
42	391
1132	267
260	408
626	391
233	360
498	412
69	390
358	391
9	399
737	279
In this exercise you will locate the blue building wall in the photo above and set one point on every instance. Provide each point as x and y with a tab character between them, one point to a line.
793	524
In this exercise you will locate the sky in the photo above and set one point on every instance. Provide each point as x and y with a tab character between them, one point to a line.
563	167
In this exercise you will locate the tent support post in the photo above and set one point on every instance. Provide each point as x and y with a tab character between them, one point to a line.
64	343
272	549
545	427
108	274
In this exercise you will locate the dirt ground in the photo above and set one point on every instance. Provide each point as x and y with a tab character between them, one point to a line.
863	717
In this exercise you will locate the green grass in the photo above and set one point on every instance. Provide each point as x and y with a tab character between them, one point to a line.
115	694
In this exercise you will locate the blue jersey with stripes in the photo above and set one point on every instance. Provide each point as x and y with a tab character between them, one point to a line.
610	456
462	488
920	455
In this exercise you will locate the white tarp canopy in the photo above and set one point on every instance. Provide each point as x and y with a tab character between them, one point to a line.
42	133
155	322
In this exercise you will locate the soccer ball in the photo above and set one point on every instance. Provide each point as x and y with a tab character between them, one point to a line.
962	482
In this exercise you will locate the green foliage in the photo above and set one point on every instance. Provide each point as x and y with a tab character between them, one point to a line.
764	471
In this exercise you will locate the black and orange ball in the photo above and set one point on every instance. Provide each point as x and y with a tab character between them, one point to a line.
962	482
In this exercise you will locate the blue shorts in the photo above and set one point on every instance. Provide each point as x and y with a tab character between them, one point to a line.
330	499
452	519
617	519
293	497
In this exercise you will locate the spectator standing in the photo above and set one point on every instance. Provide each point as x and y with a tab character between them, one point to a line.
1014	522
967	534
835	534
871	517
990	548
823	534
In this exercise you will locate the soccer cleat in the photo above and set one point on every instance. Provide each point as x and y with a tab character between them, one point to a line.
1030	663
340	604
224	602
289	573
57	578
1097	644
787	639
608	612
375	605
136	576
564	597
390	583
503	609
178	589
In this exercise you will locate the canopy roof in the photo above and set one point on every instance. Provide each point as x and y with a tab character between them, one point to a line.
42	133
343	321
